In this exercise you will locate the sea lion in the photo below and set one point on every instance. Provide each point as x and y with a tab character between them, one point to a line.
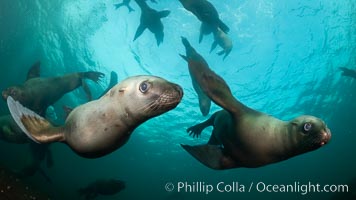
102	187
223	40
99	127
204	101
243	137
39	93
151	19
124	3
348	72
207	14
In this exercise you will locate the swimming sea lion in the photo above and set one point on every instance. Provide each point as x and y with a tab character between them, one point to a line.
207	14
243	137
39	93
124	3
101	126
223	40
204	101
102	187
151	19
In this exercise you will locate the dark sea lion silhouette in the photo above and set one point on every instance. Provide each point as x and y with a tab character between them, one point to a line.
243	137
151	19
106	187
38	93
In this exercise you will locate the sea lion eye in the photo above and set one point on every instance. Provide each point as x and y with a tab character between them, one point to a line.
307	126
144	87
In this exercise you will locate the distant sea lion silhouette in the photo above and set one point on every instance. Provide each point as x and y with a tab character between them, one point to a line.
151	19
102	187
99	127
243	137
39	93
207	14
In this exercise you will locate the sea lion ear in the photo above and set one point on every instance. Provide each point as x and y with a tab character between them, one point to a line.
34	71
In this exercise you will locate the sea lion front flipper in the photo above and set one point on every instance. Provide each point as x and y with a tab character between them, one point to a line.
139	31
34	126
34	71
87	90
211	156
163	13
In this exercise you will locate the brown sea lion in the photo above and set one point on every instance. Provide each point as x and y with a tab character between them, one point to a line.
207	14
243	137
151	19
223	40
39	93
99	127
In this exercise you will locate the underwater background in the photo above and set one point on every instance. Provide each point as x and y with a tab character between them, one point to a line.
285	62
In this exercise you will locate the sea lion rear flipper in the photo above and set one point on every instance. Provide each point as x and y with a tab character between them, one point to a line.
223	27
139	31
34	71
211	156
213	46
34	126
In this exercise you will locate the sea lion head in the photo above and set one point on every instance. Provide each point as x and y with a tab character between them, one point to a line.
310	132
148	96
15	92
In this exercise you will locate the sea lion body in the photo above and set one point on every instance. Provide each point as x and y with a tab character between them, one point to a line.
101	126
151	19
243	137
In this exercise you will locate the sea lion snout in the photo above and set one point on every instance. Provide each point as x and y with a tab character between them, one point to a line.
4	94
326	136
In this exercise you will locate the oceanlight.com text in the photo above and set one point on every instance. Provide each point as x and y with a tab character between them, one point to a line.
260	187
